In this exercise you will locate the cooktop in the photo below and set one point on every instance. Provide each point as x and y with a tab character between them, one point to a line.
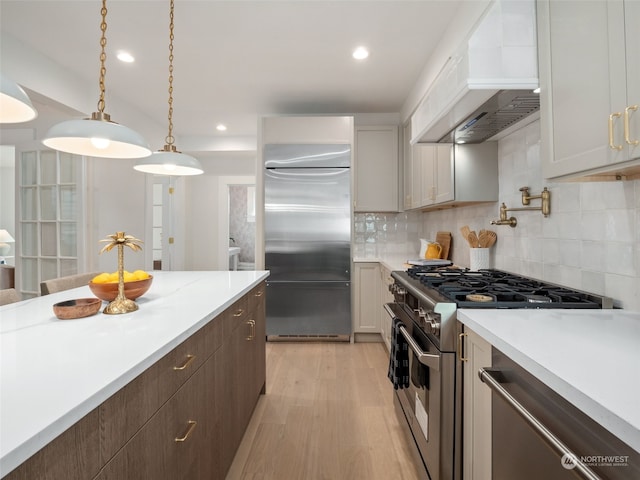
498	289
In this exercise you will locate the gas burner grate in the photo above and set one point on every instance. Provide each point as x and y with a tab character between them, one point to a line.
498	289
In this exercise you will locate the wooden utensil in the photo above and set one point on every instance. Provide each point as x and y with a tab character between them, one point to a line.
465	231
473	239
492	237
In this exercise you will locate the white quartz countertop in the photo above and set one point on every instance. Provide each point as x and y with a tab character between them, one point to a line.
589	357
53	372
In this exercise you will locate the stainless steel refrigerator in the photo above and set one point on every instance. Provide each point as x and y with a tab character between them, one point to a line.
308	241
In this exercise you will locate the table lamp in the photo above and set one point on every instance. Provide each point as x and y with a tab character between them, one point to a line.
5	240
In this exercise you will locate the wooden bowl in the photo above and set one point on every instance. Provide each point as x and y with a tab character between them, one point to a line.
78	308
132	290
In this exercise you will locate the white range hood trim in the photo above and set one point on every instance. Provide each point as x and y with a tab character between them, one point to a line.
464	83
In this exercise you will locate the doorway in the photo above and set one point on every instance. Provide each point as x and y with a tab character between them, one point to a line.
237	223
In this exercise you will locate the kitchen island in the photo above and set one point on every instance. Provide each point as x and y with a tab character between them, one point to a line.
589	357
56	374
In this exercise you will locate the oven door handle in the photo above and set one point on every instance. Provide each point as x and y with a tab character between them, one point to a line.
539	427
430	360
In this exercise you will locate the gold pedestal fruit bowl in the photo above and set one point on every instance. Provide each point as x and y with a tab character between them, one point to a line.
132	289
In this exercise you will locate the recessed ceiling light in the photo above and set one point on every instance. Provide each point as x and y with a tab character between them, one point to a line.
220	127
125	57
360	53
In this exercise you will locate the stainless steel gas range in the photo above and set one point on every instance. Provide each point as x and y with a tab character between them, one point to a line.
424	312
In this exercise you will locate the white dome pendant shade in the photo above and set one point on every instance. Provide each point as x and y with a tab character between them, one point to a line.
169	162
15	105
97	136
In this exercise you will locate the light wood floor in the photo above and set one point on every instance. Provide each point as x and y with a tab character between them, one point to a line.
327	414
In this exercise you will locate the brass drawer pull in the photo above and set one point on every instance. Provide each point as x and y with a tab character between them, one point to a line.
627	135
252	329
259	294
239	313
191	424
460	345
612	145
190	358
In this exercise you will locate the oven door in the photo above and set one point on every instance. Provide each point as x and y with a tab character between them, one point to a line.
429	402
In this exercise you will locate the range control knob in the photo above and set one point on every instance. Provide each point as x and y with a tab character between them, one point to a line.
433	324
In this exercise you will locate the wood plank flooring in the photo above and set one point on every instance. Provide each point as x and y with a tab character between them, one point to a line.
327	414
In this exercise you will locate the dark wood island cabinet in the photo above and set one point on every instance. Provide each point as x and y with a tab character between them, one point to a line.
182	418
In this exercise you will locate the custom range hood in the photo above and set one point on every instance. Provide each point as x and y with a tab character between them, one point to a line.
488	84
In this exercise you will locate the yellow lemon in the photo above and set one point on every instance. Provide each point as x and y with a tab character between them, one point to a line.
113	277
140	275
101	278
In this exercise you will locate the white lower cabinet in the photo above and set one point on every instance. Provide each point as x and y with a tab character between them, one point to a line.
366	304
476	409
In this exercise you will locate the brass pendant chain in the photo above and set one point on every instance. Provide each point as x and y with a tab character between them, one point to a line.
169	139
103	55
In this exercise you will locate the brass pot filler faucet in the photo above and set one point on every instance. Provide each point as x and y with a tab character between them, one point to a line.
545	207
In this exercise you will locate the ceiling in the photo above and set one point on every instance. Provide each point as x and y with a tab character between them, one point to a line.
236	60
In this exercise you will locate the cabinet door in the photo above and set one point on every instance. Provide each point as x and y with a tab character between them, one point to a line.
583	82
407	166
367	300
632	20
476	410
376	172
444	190
428	161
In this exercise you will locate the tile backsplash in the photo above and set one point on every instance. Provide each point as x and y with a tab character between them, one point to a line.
590	241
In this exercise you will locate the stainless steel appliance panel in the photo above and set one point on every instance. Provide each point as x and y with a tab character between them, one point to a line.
289	155
308	239
308	224
536	433
308	308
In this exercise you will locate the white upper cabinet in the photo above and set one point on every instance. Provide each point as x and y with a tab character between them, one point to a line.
442	175
590	87
376	168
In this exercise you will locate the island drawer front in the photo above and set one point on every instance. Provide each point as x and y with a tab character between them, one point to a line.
131	407
235	316
256	298
74	454
173	443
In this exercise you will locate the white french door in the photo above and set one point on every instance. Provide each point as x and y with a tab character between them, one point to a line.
50	212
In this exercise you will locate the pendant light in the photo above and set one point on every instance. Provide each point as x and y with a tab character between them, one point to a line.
170	161
97	136
15	105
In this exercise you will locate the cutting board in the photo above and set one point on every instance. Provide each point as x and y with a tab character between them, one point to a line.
444	239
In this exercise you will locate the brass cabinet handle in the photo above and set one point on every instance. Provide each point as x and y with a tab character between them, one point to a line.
460	344
191	424
259	294
626	125
613	146
238	313
190	358
252	329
